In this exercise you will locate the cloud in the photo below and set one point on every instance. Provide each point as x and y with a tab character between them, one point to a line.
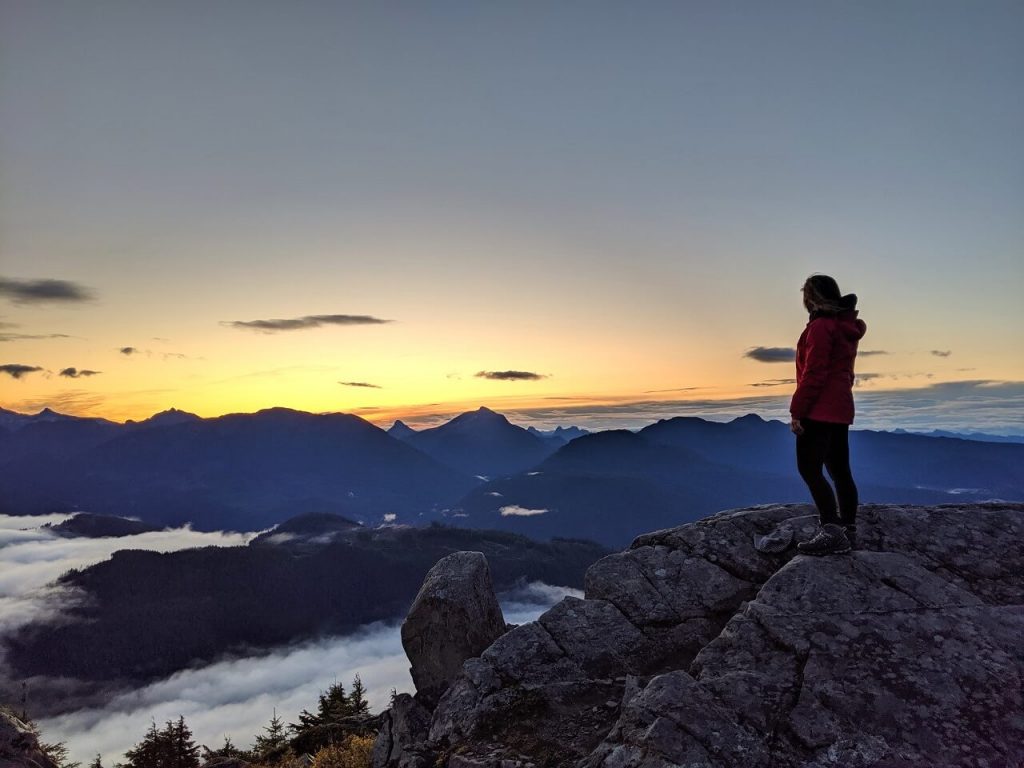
510	375
942	352
74	373
773	382
31	556
360	384
651	391
40	291
979	405
771	354
514	510
859	377
29	336
16	370
869	352
300	323
128	350
236	697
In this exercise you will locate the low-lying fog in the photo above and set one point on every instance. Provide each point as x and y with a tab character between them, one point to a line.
233	697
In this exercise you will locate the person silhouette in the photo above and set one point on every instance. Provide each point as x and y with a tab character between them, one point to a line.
821	411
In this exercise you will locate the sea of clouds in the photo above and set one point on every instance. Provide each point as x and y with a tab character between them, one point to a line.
233	697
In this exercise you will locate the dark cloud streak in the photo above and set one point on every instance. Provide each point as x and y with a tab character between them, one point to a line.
510	375
30	336
16	370
360	384
301	323
771	354
40	291
74	373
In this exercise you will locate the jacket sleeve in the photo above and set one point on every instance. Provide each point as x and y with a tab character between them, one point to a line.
820	338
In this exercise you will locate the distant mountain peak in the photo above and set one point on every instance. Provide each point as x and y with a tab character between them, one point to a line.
750	418
400	429
482	416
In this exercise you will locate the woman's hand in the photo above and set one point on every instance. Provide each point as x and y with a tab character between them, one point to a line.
796	427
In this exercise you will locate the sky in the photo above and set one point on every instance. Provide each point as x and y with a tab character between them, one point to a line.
403	210
234	696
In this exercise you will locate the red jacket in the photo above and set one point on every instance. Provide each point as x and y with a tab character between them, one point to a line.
824	367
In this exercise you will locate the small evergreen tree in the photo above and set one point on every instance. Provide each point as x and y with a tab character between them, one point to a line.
271	746
97	762
146	752
183	750
170	747
59	754
357	703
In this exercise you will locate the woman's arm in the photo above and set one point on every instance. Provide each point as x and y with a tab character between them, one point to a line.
819	341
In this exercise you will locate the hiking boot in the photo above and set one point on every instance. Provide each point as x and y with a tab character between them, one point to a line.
829	540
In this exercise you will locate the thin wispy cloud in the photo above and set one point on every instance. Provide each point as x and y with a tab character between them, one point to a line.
74	373
129	350
773	382
43	291
941	352
4	337
71	401
17	370
979	405
302	323
514	510
771	354
360	384
870	352
673	389
510	375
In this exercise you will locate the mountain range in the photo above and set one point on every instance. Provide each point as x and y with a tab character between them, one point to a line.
251	471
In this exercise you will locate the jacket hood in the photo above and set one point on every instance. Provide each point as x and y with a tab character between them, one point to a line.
851	326
846	318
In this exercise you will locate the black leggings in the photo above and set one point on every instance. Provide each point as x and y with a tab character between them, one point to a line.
826	443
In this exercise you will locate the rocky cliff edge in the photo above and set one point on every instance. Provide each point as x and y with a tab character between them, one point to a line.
715	644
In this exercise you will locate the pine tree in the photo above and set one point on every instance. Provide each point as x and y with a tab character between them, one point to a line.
145	753
170	747
272	745
183	750
96	763
334	704
357	703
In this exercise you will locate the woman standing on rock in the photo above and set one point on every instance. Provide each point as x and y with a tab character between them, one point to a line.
821	411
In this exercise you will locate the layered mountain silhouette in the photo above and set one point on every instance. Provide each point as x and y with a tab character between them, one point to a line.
480	443
250	471
610	486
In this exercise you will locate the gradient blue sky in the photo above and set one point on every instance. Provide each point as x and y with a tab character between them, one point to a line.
617	197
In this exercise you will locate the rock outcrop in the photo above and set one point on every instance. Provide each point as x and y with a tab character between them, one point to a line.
454	617
19	744
715	644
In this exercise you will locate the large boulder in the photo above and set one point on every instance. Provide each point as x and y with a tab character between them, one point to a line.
401	742
715	644
454	617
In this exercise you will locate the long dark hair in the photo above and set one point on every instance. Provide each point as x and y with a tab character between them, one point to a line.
822	294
